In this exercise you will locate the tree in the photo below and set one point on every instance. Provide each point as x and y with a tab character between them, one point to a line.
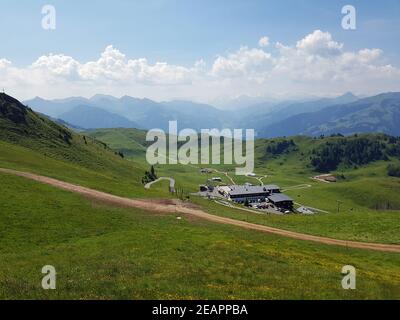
281	147
153	172
393	170
150	176
349	151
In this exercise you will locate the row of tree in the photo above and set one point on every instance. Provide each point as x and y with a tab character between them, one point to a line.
349	151
280	147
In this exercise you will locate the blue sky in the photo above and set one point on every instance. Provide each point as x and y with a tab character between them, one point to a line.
181	32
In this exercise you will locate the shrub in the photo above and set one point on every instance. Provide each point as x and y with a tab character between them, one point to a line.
393	170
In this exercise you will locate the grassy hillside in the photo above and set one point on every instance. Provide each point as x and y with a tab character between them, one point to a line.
102	252
34	143
131	142
21	126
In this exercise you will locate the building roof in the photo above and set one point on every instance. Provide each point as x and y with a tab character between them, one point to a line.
225	189
279	197
248	190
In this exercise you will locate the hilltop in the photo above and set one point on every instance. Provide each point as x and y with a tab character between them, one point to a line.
21	126
33	142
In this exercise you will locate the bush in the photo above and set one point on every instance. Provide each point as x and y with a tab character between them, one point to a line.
149	176
393	170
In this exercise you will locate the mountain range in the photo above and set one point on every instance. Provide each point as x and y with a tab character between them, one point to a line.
102	111
379	113
345	114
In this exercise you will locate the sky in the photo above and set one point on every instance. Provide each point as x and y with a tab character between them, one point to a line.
199	50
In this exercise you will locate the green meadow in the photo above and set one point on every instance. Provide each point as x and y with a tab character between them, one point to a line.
103	252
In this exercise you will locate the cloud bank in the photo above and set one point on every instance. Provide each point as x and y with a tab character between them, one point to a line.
315	65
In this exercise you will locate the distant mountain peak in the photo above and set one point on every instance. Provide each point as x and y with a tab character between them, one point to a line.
348	94
38	98
103	96
90	117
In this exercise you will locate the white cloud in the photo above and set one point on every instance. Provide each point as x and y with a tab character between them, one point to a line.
59	64
263	42
245	62
319	43
160	73
318	58
314	65
369	55
4	63
113	66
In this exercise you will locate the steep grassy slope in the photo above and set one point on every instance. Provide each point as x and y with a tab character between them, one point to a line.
101	252
131	142
21	126
34	143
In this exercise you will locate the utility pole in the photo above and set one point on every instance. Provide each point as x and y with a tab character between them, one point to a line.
338	205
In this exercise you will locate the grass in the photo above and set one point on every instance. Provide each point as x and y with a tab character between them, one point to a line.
365	194
32	142
118	177
103	252
362	216
131	142
355	226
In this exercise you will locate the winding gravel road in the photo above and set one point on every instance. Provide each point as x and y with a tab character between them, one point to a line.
171	183
170	206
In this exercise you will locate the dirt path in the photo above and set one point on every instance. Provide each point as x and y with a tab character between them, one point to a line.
226	174
260	179
171	183
169	206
